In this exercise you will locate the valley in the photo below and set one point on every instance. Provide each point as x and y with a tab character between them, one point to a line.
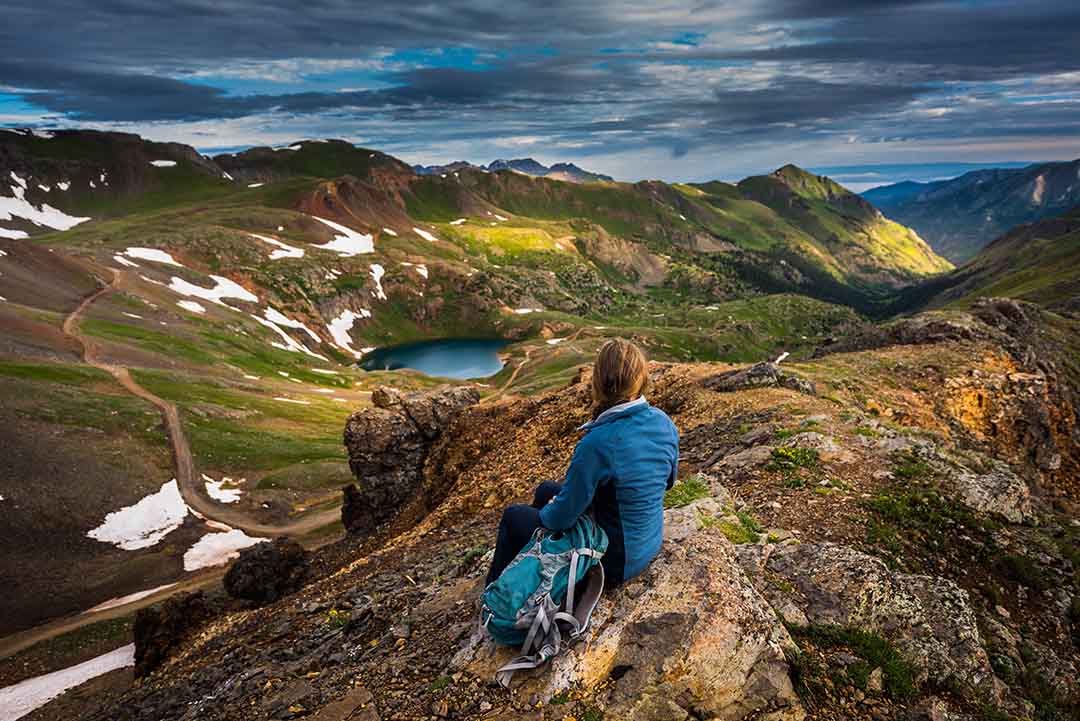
183	339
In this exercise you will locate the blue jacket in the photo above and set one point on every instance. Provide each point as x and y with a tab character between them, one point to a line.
628	458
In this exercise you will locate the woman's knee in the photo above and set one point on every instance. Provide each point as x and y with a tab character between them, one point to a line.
516	516
545	492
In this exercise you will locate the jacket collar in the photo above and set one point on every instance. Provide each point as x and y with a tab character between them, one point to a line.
615	412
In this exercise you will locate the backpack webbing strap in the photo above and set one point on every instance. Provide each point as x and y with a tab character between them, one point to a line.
541	621
571	581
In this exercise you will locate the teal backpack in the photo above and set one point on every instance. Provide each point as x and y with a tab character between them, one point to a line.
533	601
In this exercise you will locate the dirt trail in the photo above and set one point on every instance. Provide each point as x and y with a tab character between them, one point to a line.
517	369
186	477
186	480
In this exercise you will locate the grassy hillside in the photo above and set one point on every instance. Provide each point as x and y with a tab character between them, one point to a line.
1039	262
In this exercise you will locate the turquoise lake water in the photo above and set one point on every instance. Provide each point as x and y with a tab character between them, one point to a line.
458	358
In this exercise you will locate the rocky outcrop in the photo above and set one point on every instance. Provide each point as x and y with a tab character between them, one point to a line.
688	639
388	444
162	629
929	619
267	571
759	375
1000	492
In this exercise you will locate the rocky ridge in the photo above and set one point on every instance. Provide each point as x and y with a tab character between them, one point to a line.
827	556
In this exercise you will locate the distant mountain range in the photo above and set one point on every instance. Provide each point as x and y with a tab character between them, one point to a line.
559	171
959	217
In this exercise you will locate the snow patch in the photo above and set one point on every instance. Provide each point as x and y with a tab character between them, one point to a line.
192	306
124	600
158	256
324	371
390	231
419	268
13	234
124	261
223	288
274	316
218	490
44	188
526	311
25	696
17	206
290	344
283	399
145	523
500	217
339	329
255	185
425	235
555	341
349	243
459	221
377	273
133	315
163	163
64	184
286	251
216	549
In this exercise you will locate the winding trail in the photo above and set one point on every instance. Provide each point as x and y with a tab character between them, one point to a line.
183	461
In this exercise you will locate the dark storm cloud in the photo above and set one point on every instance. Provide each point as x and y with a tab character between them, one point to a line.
962	40
598	76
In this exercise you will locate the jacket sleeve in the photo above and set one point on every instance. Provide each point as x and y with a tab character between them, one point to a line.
587	469
675	459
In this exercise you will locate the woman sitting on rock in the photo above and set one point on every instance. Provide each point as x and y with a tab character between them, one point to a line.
627	459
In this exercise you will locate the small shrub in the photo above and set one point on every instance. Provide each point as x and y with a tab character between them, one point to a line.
859	674
866	431
737	533
472	554
897	675
686	492
440	683
337	618
909	467
788	460
748	522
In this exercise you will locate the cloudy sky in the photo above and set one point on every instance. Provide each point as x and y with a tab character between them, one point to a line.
675	90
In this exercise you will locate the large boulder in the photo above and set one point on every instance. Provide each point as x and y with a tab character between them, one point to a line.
689	638
388	444
163	628
759	375
929	619
267	571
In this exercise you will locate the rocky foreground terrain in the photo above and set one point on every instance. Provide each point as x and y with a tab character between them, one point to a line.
885	532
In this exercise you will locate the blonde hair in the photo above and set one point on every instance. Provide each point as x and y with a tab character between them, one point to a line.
619	374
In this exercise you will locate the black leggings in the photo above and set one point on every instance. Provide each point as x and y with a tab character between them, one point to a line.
519	522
